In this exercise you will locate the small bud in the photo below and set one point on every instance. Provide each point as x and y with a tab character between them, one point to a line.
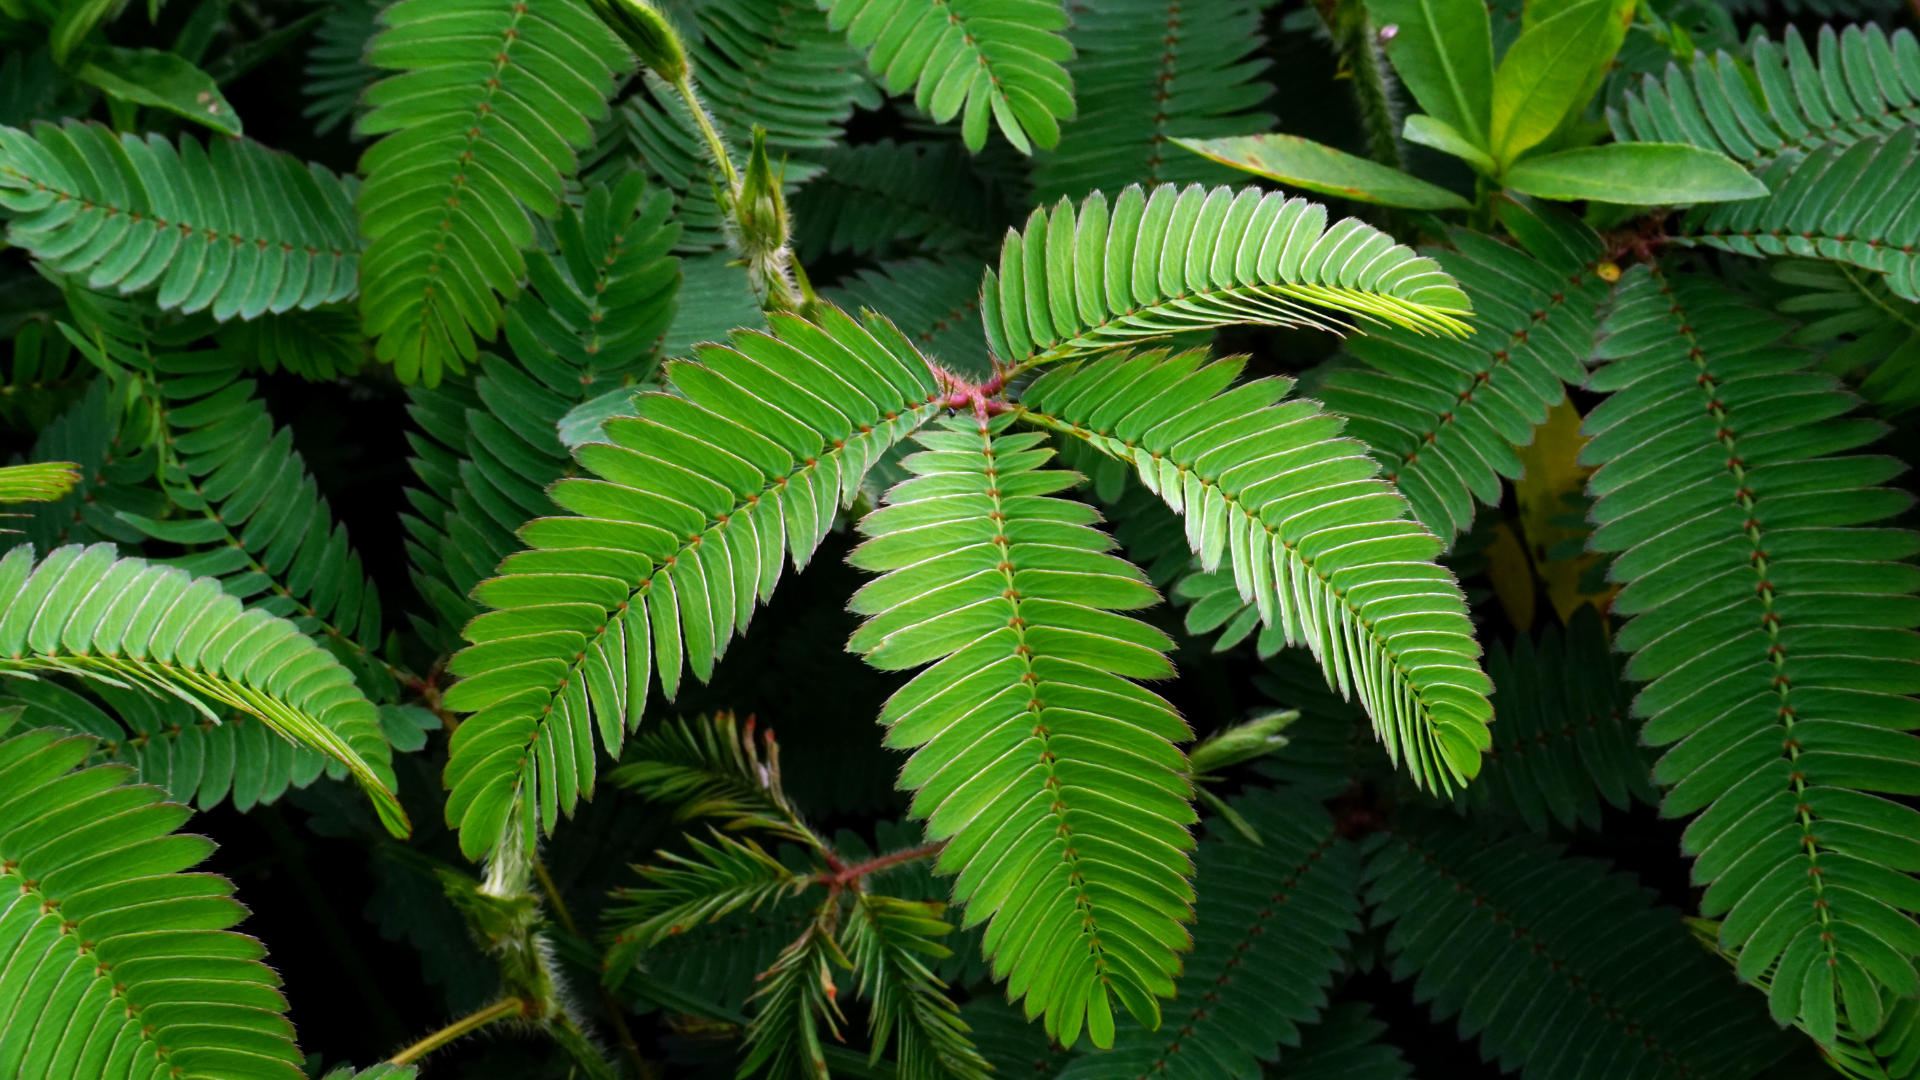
762	211
1243	742
1388	33
648	33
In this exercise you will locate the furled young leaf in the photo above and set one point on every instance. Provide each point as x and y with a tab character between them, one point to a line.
1273	924
1316	541
85	612
121	964
1771	619
682	892
796	996
1186	259
1443	51
684	517
1146	73
1049	772
235	229
1311	166
1555	963
890	943
1657	174
976	59
714	767
481	127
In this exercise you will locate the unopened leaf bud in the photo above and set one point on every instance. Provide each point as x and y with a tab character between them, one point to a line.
762	210
648	33
1243	742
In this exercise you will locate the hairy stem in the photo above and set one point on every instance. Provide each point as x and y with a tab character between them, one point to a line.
1363	61
611	1005
839	876
499	1010
582	1050
715	145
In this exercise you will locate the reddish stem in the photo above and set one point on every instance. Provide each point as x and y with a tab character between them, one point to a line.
962	394
840	875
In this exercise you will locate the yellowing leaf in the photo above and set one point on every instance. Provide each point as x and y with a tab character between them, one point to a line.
1511	572
1553	471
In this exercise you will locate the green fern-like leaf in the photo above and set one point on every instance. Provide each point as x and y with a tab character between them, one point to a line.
243	497
320	345
482	127
681	527
1273	922
234	229
1344	1044
86	612
589	325
1563	733
601	301
981	60
194	758
1864	85
337	69
1189	259
1554	963
484	451
1146	72
84	435
1316	541
122	963
1866	332
682	892
922	197
43	481
1834	140
1049	773
796	997
776	66
890	943
1771	618
714	767
936	304
1443	415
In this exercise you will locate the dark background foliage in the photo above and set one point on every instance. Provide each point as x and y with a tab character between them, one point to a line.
372	954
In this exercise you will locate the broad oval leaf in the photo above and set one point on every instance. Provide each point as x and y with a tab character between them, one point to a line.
1645	174
1319	168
